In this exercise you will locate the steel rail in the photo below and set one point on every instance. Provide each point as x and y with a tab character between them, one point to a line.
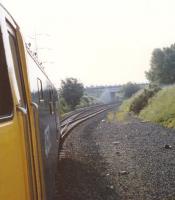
73	122
80	110
78	115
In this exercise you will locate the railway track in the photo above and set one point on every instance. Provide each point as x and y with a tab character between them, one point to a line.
80	110
71	121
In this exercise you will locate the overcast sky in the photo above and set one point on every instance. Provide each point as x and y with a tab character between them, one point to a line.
96	41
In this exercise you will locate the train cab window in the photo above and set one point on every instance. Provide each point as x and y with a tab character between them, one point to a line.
16	67
6	103
16	74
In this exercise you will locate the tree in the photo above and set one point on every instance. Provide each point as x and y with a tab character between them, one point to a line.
162	69
130	88
72	91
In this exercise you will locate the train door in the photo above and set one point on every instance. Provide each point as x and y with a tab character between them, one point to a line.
17	177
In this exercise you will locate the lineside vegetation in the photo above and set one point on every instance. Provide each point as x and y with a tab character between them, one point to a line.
72	96
159	106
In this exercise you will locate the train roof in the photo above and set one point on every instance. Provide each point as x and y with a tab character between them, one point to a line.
9	16
38	64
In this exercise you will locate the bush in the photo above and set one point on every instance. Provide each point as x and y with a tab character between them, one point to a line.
141	101
129	89
64	108
72	91
85	101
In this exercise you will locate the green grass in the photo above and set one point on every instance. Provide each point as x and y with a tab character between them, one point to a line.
161	108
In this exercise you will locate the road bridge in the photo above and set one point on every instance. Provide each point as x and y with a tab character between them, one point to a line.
105	94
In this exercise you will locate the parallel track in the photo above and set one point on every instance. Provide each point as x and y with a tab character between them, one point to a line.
74	119
78	111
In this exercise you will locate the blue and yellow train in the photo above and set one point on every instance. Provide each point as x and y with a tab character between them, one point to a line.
29	124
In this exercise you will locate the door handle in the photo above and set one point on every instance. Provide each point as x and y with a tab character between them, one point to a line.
36	117
51	108
21	109
35	106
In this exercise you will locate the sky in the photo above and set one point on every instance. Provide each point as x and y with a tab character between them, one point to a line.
99	42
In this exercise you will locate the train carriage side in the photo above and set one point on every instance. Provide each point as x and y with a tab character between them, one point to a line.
45	97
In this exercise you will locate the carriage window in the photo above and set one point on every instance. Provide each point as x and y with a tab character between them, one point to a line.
40	90
50	94
6	103
51	103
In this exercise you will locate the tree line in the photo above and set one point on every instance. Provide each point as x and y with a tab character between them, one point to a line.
161	72
162	69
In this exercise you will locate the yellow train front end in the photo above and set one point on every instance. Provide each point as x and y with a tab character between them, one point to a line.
29	135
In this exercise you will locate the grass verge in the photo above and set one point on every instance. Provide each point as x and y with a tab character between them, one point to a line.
161	108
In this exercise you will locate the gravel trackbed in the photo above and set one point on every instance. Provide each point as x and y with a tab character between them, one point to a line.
103	160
